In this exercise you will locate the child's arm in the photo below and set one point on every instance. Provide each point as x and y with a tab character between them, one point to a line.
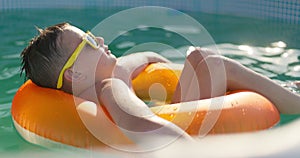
132	115
128	112
129	66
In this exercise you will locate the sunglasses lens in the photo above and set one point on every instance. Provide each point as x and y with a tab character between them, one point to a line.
93	41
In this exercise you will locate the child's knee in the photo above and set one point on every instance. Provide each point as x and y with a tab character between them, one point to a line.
193	52
227	66
219	60
196	54
216	60
216	66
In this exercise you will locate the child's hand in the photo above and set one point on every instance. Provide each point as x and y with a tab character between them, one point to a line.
297	83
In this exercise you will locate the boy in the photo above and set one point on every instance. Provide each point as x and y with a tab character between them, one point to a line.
64	57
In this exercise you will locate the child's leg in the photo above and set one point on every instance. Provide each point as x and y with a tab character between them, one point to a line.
192	87
240	77
209	76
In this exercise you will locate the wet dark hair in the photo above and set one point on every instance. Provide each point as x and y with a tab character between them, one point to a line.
43	58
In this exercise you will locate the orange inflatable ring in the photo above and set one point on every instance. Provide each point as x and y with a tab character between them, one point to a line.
45	116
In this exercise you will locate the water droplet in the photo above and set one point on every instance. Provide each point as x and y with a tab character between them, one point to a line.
208	113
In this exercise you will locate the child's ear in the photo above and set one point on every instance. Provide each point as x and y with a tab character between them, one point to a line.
71	76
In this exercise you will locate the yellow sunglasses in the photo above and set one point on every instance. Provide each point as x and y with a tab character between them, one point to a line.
88	38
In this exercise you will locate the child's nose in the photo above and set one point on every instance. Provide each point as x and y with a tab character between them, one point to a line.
100	40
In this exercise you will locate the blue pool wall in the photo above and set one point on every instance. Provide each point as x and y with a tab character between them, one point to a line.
284	11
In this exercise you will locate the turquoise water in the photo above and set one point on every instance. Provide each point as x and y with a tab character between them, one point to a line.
249	41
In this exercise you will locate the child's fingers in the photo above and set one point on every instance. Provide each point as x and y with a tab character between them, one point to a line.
297	83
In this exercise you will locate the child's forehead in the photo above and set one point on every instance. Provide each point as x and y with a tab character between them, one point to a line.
70	38
75	29
72	35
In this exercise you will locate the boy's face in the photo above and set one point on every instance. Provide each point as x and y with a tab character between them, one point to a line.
94	64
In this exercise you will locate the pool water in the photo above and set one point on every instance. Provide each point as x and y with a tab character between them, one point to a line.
254	43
